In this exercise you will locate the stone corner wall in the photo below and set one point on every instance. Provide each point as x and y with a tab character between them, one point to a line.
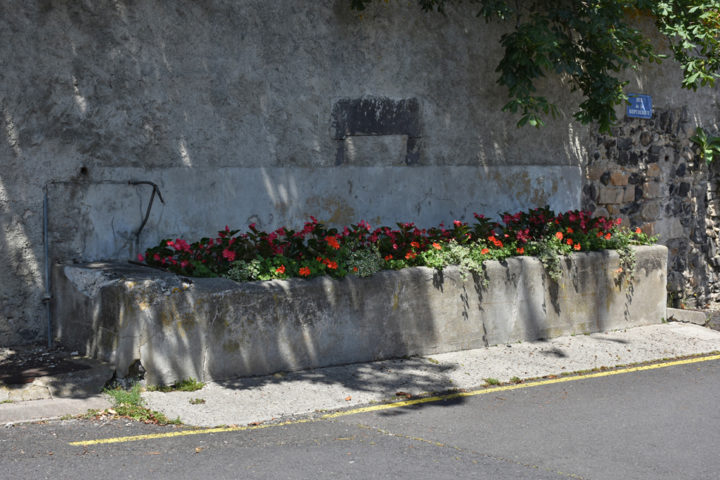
648	173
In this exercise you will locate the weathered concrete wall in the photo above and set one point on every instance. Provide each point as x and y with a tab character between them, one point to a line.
256	111
216	328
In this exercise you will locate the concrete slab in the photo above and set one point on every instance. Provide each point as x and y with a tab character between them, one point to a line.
698	317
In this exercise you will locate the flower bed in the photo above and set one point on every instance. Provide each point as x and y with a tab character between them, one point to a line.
317	250
548	283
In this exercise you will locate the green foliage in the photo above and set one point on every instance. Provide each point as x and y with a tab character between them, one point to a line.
591	44
129	404
364	262
187	385
709	145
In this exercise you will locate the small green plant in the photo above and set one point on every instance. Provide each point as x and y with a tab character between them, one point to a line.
6	401
197	401
492	381
709	145
129	404
187	385
516	380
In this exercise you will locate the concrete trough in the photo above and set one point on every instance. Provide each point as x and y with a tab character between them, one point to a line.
181	327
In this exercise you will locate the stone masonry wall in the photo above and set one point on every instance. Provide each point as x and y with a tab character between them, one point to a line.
648	173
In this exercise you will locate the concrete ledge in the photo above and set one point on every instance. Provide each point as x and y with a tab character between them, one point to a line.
698	317
215	328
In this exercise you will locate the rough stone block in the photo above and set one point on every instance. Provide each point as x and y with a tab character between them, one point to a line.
619	178
629	194
654	170
653	190
651	211
611	195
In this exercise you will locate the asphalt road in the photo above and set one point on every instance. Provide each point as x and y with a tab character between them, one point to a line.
654	424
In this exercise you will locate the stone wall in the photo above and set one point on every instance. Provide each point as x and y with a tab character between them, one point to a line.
261	111
649	173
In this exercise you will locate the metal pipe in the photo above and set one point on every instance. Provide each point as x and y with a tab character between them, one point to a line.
48	295
156	189
46	240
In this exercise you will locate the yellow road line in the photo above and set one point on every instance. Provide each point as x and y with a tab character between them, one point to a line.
406	403
183	433
504	388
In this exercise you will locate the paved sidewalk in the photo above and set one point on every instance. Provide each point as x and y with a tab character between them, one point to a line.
285	395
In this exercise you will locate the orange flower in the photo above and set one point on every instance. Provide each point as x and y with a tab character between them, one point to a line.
332	241
577	246
637	230
410	255
484	251
388	257
520	250
436	246
280	269
607	236
332	265
305	271
570	230
559	235
415	244
599	234
569	241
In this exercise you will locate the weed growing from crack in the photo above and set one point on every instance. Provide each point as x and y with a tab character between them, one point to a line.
187	385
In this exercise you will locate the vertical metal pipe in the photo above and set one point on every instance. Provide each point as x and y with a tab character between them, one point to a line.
48	296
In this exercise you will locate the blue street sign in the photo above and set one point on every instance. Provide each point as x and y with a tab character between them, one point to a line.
640	106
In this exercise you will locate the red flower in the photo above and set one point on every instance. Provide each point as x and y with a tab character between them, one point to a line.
577	246
415	244
410	255
520	250
484	251
355	269
436	246
332	241
559	235
140	257
388	257
305	271
280	269
637	230
569	241
570	230
332	265
607	236
229	255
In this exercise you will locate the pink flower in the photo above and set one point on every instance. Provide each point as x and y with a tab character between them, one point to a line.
229	255
140	257
184	263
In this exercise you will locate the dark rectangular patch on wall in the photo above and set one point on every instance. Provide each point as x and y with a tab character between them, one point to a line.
375	116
